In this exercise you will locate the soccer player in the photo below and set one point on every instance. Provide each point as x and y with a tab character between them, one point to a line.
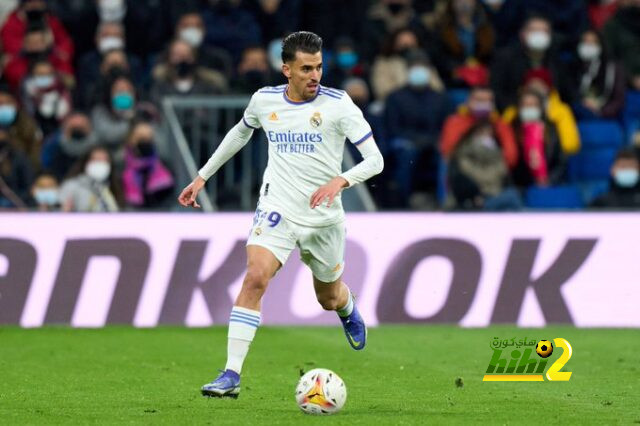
306	125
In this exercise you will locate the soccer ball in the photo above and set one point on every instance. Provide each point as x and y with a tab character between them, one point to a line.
321	391
544	348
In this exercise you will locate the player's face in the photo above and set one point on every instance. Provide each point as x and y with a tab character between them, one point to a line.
304	74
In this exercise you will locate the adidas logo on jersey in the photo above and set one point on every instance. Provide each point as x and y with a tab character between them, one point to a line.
273	117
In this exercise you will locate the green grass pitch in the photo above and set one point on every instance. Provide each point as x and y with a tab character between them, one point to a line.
406	375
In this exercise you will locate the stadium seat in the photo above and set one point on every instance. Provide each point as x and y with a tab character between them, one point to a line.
600	140
631	114
591	164
557	197
600	134
592	189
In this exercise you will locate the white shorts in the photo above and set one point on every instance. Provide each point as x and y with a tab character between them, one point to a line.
321	248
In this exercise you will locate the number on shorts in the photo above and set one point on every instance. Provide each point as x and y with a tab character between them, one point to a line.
274	218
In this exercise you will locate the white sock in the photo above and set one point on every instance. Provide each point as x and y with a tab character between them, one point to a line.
346	310
243	324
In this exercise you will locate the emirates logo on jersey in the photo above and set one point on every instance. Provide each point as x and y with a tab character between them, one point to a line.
316	119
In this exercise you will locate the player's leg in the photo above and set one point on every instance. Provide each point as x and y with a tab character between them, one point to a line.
322	249
244	320
336	296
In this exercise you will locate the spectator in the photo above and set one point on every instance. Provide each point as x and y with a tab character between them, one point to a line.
23	130
230	27
31	15
346	63
190	28
542	161
114	64
45	193
64	148
254	71
146	180
333	19
568	18
80	19
180	74
109	37
465	44
600	82
622	36
624	187
480	108
148	23
386	17
92	187
478	174
557	112
413	116
112	117
16	174
533	51
600	11
390	69
36	46
45	96
277	18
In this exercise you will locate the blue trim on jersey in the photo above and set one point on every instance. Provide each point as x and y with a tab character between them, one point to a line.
322	92
333	91
248	125
364	138
286	98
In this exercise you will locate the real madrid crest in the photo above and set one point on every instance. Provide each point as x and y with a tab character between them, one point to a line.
316	119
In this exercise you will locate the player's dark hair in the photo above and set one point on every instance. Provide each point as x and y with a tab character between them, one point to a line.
303	41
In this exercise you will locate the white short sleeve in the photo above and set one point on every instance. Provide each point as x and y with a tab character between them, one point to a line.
352	123
250	117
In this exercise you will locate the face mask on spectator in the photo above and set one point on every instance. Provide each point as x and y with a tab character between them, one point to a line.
528	114
145	148
122	101
184	69
626	178
395	8
589	51
46	196
43	81
98	170
110	43
36	55
347	60
78	143
538	40
419	76
111	10
183	86
192	35
7	114
481	109
35	15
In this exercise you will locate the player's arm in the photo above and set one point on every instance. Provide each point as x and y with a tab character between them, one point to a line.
233	142
372	163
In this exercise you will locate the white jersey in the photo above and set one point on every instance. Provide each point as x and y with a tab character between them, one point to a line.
306	143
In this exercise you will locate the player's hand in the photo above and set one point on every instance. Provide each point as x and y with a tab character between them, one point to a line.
188	195
328	190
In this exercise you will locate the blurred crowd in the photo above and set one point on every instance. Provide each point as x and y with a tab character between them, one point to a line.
475	104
